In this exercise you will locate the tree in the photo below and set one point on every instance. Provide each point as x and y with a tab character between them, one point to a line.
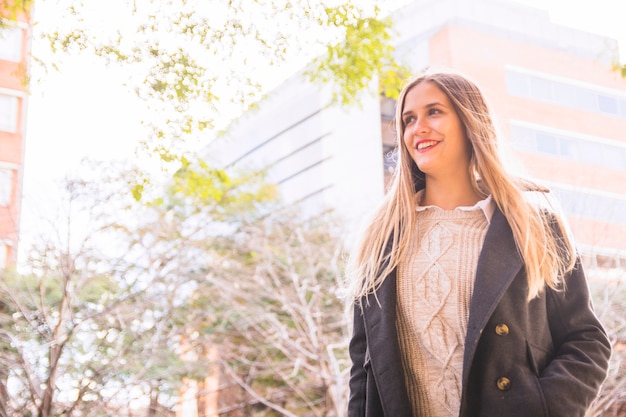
610	301
128	312
198	65
263	310
283	331
71	337
84	332
620	68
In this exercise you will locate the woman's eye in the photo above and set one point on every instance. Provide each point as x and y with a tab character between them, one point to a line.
409	120
434	111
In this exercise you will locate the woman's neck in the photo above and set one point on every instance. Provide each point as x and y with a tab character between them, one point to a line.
450	195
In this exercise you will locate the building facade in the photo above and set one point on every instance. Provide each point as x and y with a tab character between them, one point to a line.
561	110
14	58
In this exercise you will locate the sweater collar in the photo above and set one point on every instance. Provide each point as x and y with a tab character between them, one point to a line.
487	206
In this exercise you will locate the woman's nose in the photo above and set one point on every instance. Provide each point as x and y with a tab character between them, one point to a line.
420	127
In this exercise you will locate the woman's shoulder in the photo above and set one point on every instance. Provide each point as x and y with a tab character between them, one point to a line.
540	196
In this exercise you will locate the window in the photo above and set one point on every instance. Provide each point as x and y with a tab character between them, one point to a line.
596	206
547	143
568	146
11	44
570	94
565	94
541	89
524	139
585	100
608	104
6	186
592	153
517	84
622	106
8	113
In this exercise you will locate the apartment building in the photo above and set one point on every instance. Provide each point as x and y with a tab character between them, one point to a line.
14	50
560	107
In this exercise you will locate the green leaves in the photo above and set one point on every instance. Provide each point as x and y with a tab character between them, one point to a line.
196	188
201	183
365	53
12	8
619	68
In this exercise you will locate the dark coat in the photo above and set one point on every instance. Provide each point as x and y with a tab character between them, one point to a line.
547	357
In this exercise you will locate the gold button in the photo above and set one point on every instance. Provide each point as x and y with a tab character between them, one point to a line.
502	329
504	384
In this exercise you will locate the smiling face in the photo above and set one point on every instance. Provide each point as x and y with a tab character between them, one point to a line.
433	132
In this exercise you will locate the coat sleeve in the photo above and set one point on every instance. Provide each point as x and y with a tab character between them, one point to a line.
573	377
358	376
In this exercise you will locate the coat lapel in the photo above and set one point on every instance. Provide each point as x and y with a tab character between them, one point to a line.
382	341
498	264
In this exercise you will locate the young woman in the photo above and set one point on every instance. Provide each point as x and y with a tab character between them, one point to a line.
469	297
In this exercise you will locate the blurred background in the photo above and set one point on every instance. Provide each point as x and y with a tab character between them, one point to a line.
180	182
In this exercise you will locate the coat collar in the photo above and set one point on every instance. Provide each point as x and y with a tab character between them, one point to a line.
498	264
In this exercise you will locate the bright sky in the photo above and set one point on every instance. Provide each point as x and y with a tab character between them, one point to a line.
604	17
85	111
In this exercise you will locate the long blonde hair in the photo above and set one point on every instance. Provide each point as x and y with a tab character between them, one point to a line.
548	253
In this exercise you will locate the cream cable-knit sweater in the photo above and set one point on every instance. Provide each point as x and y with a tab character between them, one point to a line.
435	285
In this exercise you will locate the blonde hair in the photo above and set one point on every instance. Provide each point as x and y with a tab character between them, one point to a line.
542	238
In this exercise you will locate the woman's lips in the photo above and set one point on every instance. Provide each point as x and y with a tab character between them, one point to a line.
424	145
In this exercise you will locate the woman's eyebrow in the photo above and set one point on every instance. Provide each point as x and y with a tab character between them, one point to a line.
427	106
